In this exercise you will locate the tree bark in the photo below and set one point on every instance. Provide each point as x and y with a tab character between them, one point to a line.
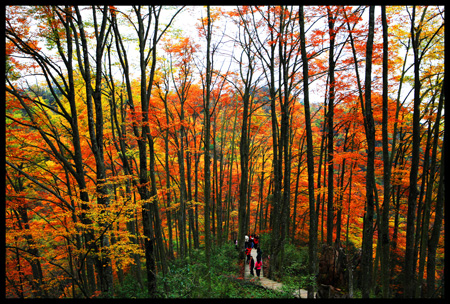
384	227
312	244
331	64
413	192
367	245
433	240
207	161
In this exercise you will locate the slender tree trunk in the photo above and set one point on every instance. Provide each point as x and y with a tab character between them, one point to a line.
384	227
196	231
183	193
312	245
207	122
219	184
36	269
299	170
337	240
277	158
190	198
243	151
422	229
439	209
331	63
319	175
103	262
166	155
367	246
349	257
413	192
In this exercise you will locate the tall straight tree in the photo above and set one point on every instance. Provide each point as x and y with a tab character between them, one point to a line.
281	22
288	56
367	245
163	91
147	216
207	140
413	191
157	34
246	73
331	67
266	48
412	197
439	210
182	86
120	144
96	127
312	244
384	227
148	39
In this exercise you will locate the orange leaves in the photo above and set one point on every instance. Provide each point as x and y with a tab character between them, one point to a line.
16	200
184	47
112	10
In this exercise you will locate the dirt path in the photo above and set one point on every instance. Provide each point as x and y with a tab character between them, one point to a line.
265	282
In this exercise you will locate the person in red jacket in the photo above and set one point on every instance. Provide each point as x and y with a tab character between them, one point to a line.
258	266
256	241
248	252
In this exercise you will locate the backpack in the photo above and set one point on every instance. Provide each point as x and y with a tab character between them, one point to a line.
258	265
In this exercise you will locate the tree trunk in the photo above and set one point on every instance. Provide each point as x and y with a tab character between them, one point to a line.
312	245
243	151
103	262
331	64
384	227
367	245
439	209
183	192
230	178
413	192
207	122
299	170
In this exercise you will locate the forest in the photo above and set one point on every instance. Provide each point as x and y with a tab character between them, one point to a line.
142	142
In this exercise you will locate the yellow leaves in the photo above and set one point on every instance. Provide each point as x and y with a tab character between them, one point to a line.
50	164
123	248
320	191
188	204
194	203
173	207
151	200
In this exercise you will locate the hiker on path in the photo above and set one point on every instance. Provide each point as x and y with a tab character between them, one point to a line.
251	265
258	266
246	241
248	252
251	241
258	253
256	241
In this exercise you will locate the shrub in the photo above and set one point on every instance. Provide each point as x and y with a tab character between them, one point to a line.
295	260
130	289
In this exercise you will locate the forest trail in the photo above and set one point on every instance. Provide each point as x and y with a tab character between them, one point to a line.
267	283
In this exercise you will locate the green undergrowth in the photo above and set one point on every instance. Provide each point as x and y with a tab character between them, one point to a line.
295	268
187	278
